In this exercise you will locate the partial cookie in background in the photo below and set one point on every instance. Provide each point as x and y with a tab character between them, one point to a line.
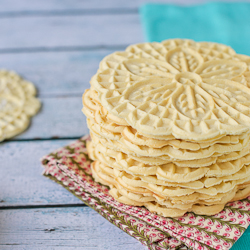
17	104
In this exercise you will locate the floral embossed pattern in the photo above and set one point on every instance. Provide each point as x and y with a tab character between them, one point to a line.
182	88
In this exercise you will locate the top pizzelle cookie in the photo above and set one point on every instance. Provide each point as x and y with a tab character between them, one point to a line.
191	90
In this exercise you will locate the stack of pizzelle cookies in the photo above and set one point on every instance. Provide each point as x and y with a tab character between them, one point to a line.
170	126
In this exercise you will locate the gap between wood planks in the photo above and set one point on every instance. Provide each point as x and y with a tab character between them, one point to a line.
62	49
43	139
41	206
79	12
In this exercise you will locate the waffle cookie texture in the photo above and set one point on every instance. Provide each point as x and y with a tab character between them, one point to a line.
170	126
17	104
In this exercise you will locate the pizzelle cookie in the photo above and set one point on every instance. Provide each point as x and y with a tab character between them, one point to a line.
103	120
169	172
144	197
196	180
168	153
176	90
170	126
17	104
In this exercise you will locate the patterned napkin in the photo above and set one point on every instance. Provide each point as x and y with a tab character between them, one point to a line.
70	167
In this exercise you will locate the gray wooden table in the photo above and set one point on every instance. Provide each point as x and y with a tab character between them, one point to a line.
57	45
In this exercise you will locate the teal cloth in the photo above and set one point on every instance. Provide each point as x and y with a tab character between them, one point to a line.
227	23
243	243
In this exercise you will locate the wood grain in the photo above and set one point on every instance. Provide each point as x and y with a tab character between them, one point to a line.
58	117
61	229
56	73
64	31
22	182
66	5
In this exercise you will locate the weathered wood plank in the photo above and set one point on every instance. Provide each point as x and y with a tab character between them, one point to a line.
22	182
48	5
58	117
61	228
61	31
56	73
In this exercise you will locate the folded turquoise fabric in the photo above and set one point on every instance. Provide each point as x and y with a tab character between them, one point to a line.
227	23
243	243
